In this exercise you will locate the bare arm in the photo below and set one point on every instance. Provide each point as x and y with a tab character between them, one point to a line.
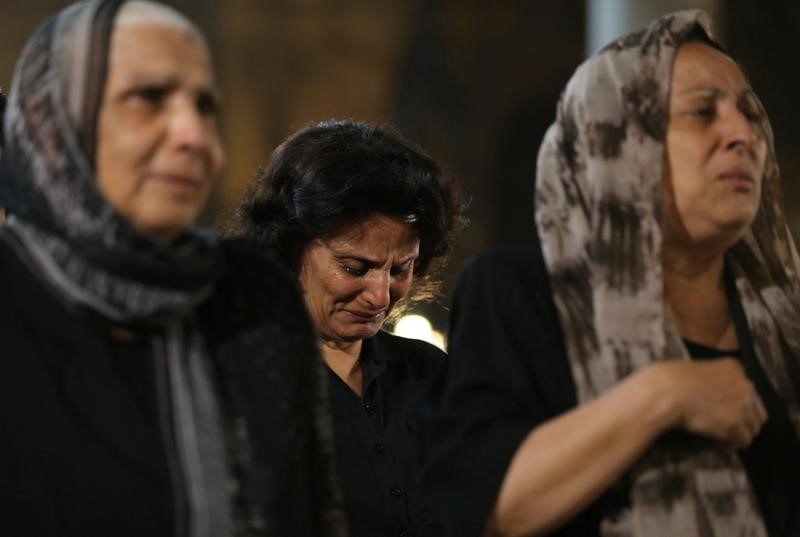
567	462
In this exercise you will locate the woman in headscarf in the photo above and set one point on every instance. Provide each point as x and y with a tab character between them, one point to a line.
156	381
364	219
615	379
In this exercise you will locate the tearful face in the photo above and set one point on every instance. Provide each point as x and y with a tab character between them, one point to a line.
352	281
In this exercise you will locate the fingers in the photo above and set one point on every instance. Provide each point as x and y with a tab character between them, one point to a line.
761	410
756	415
740	439
752	414
753	417
720	402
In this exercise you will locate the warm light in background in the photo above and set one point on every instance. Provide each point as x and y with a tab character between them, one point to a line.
418	327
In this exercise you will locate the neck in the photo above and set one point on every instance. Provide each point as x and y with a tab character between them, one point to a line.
694	292
342	358
684	268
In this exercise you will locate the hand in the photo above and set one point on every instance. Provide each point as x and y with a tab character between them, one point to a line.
713	398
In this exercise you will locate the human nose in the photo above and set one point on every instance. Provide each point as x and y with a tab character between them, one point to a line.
189	128
377	290
739	129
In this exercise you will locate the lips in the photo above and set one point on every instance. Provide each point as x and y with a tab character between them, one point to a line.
739	176
365	316
180	181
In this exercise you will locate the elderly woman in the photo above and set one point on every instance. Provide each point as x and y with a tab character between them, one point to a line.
363	218
156	380
616	379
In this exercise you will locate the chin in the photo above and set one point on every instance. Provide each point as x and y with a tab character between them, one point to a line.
356	333
739	222
722	235
165	220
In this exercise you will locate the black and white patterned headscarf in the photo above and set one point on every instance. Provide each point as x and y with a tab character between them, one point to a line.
95	261
598	213
76	240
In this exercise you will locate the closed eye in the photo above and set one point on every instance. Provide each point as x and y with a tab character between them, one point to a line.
354	271
398	271
749	108
705	112
402	270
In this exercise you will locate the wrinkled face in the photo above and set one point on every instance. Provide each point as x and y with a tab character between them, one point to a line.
715	153
352	281
158	149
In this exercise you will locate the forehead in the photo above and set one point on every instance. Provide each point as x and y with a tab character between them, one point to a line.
698	65
139	49
376	233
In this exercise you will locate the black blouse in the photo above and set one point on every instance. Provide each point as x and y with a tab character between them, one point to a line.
508	372
81	449
769	459
375	439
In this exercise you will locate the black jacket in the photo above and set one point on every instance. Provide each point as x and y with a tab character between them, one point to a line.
82	444
506	372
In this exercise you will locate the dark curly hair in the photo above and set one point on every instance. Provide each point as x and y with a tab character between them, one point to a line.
331	175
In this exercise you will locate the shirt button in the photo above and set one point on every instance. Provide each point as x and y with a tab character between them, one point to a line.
396	492
380	449
369	407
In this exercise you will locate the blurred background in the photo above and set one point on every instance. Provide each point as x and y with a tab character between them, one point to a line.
475	82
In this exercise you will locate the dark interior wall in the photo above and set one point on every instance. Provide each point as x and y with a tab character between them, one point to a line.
485	106
18	18
763	38
474	82
478	88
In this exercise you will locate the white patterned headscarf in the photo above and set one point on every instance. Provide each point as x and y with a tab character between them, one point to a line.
598	214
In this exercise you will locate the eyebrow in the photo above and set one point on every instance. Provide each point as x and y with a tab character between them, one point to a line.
715	92
376	263
152	78
170	81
